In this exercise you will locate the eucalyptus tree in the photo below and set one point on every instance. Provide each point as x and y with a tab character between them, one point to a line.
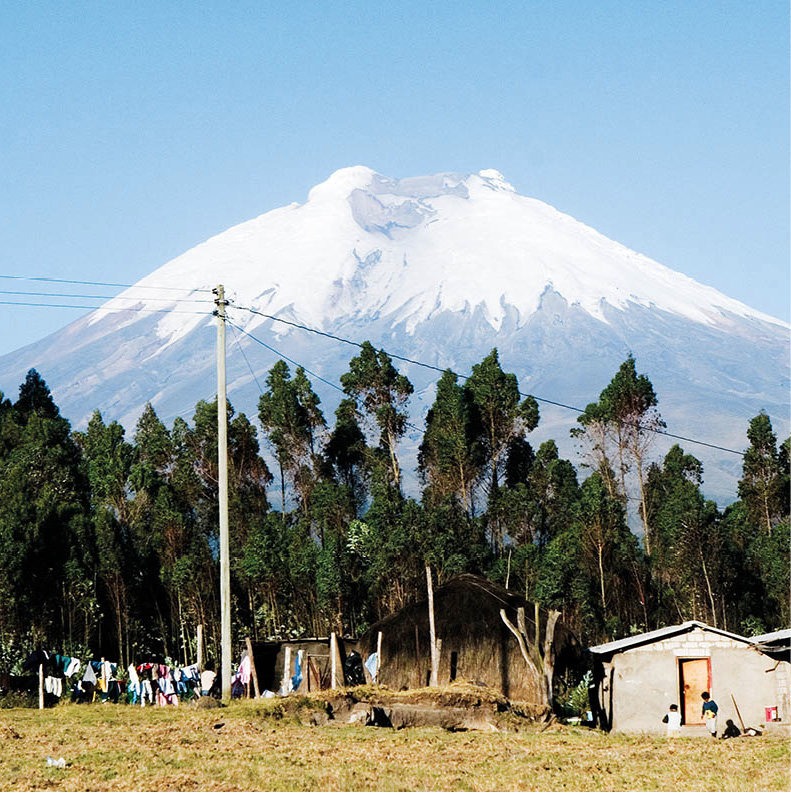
347	453
450	456
381	394
501	416
291	418
617	432
47	543
109	461
764	483
500	423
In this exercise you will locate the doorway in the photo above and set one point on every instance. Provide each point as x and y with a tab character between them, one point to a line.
694	677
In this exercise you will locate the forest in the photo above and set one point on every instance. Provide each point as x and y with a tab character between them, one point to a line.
109	543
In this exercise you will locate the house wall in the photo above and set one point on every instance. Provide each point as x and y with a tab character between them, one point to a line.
782	681
640	683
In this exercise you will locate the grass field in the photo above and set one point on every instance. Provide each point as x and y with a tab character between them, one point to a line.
259	747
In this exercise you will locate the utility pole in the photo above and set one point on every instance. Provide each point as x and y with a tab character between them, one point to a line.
222	470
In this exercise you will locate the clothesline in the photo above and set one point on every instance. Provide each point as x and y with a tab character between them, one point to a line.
147	682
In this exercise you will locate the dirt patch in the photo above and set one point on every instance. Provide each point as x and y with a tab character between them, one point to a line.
458	706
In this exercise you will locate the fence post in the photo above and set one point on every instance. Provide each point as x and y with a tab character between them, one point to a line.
286	668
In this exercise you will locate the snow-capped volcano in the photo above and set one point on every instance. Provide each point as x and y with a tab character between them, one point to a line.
439	268
365	245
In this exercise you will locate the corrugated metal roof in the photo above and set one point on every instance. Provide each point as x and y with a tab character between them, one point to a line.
785	633
658	635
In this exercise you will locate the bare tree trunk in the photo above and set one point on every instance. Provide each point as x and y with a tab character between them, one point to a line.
766	513
549	652
531	664
708	585
600	550
393	459
463	488
432	631
643	505
282	493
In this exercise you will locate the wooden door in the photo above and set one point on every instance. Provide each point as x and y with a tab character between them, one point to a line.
694	679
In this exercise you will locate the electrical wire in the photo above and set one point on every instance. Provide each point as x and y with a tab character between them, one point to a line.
296	363
100	283
334	337
110	297
244	355
102	308
285	357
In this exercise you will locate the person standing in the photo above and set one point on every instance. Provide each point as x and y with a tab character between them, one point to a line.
709	713
673	721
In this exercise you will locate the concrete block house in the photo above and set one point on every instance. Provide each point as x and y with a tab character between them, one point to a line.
638	677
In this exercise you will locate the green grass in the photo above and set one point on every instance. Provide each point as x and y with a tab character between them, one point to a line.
263	746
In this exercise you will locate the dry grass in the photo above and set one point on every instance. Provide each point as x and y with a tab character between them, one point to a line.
263	746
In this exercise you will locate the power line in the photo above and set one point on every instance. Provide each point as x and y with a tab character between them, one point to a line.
296	363
100	283
244	354
285	357
110	297
467	377
101	308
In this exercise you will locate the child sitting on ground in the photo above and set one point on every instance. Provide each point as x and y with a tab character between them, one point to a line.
730	731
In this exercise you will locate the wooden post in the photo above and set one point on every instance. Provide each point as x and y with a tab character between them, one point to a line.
432	632
200	648
41	686
737	712
378	654
253	673
333	660
286	668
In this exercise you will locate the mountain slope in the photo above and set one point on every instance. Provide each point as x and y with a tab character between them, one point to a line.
439	268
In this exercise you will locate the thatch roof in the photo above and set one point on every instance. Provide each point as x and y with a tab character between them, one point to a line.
476	644
489	597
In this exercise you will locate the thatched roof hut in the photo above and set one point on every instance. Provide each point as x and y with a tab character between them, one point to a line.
476	643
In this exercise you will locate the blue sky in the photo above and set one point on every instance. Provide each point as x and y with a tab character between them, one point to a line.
131	132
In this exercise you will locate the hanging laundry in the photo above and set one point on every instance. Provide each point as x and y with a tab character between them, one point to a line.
296	679
133	687
72	667
372	665
244	670
146	693
108	672
36	659
207	679
90	674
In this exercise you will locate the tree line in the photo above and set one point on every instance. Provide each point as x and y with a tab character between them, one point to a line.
109	544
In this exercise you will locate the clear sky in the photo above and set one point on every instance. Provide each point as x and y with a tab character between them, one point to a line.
132	132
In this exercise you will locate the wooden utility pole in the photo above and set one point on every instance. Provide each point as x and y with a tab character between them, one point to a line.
199	660
222	481
432	632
